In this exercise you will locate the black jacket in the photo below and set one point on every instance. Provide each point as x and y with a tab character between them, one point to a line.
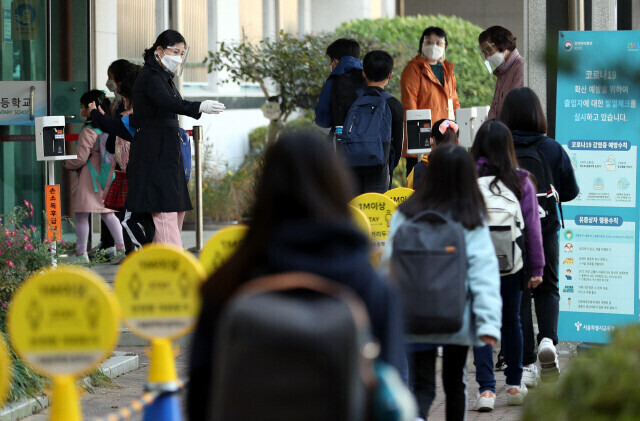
155	173
335	251
564	178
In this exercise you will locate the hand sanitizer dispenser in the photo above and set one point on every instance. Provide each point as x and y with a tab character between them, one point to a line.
50	145
418	131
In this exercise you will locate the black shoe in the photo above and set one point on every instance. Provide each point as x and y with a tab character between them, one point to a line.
500	365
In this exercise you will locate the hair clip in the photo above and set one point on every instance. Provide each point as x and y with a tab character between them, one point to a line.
448	124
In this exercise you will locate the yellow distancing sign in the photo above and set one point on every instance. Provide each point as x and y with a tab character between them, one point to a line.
158	290
361	220
399	194
5	371
220	246
63	321
378	208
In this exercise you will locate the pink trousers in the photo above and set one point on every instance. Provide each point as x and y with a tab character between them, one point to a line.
168	227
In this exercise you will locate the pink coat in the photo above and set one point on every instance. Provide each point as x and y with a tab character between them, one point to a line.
84	198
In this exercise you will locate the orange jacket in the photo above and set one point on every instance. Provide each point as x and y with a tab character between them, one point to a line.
422	90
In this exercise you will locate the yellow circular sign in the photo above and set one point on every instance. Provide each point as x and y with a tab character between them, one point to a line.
361	220
221	246
64	321
399	194
5	371
159	291
378	209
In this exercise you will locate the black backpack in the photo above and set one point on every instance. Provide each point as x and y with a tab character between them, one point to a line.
344	92
429	261
530	159
293	346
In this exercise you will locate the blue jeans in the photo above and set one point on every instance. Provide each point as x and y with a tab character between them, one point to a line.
511	292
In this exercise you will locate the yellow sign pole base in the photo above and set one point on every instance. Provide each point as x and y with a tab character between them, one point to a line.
65	404
162	368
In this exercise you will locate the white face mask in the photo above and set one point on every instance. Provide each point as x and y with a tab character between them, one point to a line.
171	62
432	51
111	85
496	59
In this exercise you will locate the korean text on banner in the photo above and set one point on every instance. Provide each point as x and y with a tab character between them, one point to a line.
54	227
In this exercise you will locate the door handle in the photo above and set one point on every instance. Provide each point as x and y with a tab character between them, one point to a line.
69	117
32	105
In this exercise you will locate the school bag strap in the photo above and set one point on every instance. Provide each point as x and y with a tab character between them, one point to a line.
304	280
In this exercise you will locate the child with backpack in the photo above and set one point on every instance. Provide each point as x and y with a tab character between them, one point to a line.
372	135
345	79
547	160
92	170
443	131
512	205
447	276
302	211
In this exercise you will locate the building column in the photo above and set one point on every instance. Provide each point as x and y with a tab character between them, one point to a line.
269	18
304	17
603	15
635	15
223	25
105	41
535	44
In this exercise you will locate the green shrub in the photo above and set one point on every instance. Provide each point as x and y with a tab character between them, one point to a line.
601	385
400	37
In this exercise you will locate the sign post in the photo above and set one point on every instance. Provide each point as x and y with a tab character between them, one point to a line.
158	290
598	121
64	323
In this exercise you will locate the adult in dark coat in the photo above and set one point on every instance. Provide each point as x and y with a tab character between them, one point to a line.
155	173
300	222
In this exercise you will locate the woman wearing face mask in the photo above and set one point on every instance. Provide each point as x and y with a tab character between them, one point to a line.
497	45
428	82
155	173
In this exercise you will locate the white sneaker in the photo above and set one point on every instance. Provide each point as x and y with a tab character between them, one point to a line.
78	259
516	394
548	357
530	375
485	402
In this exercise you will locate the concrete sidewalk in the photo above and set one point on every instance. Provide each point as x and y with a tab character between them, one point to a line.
131	385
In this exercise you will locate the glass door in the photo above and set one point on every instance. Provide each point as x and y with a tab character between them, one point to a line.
44	69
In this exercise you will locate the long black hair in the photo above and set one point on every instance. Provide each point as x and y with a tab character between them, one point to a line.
494	143
449	186
164	40
522	111
302	178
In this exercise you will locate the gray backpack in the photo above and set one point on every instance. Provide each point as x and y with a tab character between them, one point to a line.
429	262
293	346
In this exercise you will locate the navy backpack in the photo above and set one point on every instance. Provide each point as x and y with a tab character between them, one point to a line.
185	151
366	133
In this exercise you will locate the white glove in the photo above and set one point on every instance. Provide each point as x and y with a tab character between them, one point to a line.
211	107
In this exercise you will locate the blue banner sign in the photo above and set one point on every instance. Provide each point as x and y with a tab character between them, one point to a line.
598	122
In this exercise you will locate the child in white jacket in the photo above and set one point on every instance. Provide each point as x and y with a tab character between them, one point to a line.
450	187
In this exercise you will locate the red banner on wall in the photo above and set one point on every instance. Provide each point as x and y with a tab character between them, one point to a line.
52	200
